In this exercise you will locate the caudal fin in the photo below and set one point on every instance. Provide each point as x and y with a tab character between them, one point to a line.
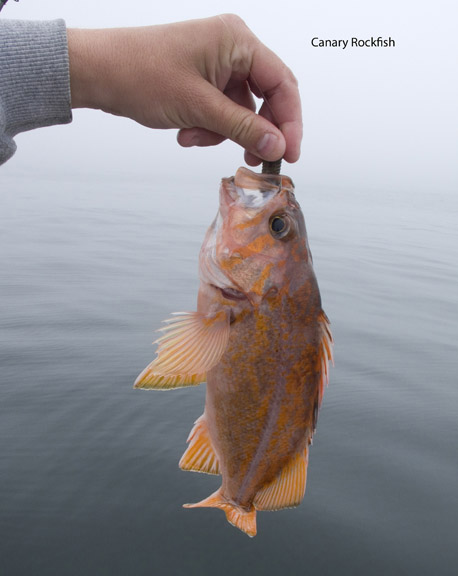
244	520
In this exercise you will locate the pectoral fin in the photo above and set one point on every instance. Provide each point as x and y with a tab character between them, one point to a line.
191	345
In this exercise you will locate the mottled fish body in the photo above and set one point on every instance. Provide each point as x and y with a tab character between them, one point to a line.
261	341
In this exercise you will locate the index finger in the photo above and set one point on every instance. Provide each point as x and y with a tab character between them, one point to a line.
273	81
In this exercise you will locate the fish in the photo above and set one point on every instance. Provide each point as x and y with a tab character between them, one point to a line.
261	341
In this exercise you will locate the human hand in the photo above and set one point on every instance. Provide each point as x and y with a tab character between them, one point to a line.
197	76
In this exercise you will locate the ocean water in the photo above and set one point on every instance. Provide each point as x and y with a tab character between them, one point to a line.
89	478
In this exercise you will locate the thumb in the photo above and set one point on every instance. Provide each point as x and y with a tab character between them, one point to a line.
241	125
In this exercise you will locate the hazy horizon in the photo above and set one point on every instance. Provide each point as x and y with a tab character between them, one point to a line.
374	118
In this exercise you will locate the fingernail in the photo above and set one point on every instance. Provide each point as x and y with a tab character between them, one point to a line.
267	144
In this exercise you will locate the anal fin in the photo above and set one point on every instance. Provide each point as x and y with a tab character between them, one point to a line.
200	455
287	489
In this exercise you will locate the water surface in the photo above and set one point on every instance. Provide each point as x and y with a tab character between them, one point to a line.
89	478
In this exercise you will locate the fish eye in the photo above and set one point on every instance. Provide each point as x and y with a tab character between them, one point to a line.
279	226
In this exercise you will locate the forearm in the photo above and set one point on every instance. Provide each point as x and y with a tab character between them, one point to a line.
130	72
34	79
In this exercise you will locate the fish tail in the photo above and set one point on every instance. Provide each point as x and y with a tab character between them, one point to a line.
239	517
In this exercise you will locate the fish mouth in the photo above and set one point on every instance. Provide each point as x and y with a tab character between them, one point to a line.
231	293
249	189
252	190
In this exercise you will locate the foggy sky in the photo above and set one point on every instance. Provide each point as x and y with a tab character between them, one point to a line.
374	118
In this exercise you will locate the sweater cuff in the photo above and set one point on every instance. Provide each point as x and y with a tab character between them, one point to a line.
34	71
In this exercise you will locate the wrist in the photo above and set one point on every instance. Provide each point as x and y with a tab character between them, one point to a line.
88	62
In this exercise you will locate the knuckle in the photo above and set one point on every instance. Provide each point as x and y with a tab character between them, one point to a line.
289	79
242	125
292	78
236	28
233	20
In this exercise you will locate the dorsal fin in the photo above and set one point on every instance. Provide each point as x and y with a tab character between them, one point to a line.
325	353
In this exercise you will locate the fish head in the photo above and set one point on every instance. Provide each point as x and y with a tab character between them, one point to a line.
257	245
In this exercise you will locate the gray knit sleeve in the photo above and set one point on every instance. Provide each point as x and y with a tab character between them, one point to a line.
34	79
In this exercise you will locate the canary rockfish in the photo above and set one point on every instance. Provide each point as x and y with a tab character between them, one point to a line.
261	341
